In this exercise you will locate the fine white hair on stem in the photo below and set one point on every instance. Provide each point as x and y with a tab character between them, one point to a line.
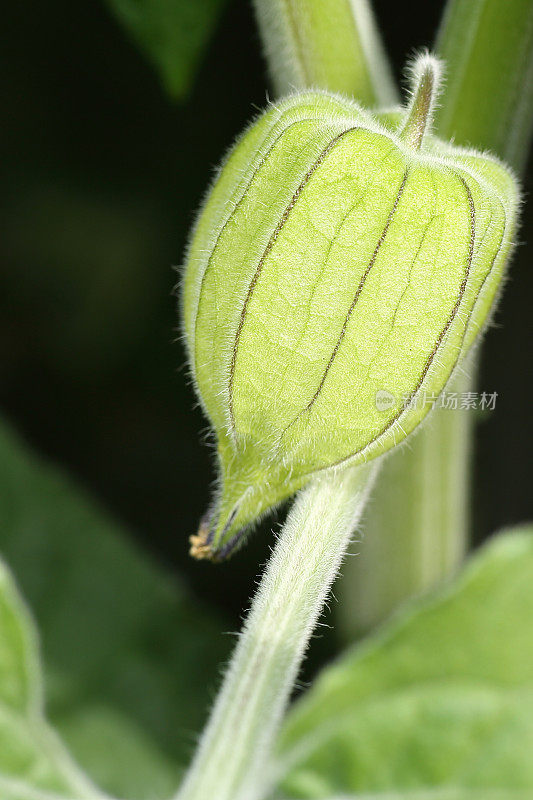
425	77
233	758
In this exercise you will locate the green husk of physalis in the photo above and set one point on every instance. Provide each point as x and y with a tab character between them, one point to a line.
343	263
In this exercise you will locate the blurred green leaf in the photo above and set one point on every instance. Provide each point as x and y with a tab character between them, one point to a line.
119	753
438	705
172	33
123	643
437	794
33	763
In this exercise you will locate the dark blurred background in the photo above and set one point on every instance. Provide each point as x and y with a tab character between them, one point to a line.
102	175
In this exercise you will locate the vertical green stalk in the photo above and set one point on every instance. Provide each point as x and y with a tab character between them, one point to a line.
233	758
488	49
413	535
418	527
326	44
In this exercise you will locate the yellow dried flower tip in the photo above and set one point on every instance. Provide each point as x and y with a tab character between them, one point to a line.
339	255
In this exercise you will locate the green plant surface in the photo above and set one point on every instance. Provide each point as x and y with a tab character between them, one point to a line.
488	48
380	249
33	763
122	642
232	761
446	794
172	34
414	536
327	44
118	753
438	704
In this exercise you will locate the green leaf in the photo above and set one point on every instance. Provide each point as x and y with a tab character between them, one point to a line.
438	794
123	643
438	705
171	33
118	752
33	763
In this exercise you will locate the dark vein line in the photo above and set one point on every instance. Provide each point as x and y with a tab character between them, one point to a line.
325	263
236	207
266	252
354	302
397	309
440	337
432	219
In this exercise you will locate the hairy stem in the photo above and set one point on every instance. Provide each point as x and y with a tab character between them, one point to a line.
326	44
232	760
422	493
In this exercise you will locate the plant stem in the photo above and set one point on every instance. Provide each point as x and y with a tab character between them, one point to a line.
407	554
422	493
326	44
488	48
232	760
